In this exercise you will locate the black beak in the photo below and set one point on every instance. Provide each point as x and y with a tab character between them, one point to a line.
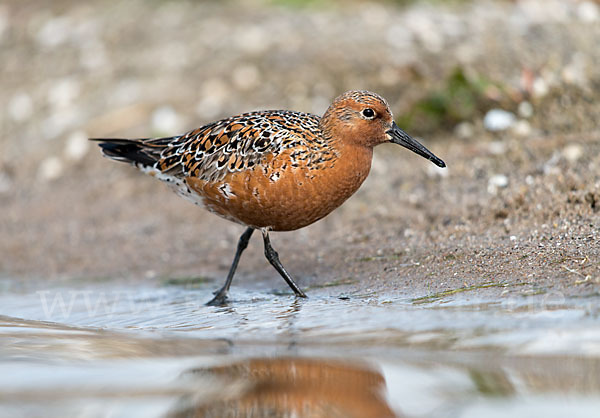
398	136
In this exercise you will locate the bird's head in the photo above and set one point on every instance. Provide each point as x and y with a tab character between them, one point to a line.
364	118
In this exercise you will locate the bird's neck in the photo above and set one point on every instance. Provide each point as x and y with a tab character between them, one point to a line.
352	166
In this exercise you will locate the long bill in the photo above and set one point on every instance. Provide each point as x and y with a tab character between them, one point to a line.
398	136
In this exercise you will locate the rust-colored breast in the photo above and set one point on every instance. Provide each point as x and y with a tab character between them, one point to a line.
284	193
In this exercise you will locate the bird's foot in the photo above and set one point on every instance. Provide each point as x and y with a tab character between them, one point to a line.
220	299
300	294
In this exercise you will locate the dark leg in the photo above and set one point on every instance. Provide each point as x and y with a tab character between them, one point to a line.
273	258
221	295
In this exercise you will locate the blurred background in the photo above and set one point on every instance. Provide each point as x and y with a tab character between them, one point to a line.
73	70
478	284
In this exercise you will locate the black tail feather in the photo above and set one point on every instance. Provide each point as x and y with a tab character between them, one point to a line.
140	151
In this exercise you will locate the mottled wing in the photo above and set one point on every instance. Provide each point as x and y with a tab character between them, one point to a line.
238	143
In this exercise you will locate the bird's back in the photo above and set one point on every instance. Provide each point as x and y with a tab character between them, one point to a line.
240	143
261	169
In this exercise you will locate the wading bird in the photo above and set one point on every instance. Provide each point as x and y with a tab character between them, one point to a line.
272	170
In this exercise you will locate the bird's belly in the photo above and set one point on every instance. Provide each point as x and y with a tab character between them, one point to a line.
289	200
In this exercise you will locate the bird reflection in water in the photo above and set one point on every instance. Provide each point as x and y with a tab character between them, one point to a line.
287	387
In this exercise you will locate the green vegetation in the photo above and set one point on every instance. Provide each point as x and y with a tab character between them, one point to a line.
461	97
185	281
333	283
437	296
492	383
390	257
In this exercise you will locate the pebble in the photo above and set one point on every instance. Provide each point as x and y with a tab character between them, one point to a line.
50	169
59	121
165	119
54	32
497	147
20	107
529	180
425	29
398	37
77	146
126	92
572	152
498	120
498	181
94	55
252	39
246	77
521	128
389	76
550	167
525	109
588	12
575	72
540	87
63	92
214	94
464	130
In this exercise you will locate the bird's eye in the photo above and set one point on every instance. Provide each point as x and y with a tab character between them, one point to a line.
368	113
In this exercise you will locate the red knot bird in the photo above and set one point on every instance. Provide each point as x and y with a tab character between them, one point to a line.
272	170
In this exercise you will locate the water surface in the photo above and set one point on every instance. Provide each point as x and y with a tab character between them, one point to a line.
149	349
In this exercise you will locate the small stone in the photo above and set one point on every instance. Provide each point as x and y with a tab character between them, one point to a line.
20	107
575	72
521	128
426	30
94	55
389	76
497	147
63	92
540	87
54	32
252	39
525	110
572	152
50	169
588	12
529	180
374	14
77	146
165	119
58	122
498	181
550	167
464	130
498	120
128	91
246	77
214	94
398	37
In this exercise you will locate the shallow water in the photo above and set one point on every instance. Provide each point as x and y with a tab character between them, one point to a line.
146	349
